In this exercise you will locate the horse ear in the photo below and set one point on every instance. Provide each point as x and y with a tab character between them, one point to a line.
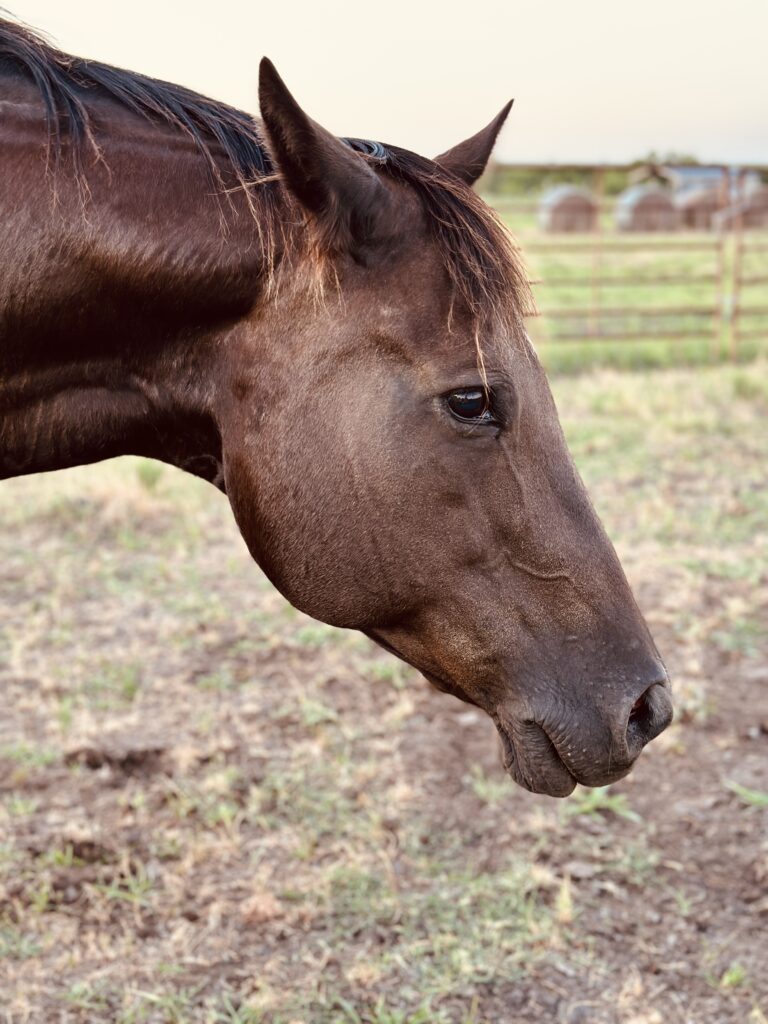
467	160
343	194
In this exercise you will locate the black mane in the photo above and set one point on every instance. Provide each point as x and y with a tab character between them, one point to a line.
65	83
478	252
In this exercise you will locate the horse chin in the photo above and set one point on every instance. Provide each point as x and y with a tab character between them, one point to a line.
529	755
531	759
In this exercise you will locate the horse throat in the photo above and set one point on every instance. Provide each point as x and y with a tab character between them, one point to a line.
56	419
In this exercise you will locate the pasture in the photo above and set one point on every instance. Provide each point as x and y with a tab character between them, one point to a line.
659	290
213	809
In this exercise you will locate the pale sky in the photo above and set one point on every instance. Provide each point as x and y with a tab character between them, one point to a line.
593	80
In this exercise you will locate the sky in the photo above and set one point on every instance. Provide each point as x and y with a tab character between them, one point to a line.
593	80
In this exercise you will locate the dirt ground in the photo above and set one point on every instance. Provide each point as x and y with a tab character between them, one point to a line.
213	809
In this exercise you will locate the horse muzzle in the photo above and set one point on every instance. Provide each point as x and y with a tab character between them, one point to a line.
551	757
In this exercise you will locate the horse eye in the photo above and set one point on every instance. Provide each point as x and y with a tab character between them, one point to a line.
471	405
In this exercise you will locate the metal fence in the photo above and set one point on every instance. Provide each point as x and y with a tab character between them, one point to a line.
706	281
749	297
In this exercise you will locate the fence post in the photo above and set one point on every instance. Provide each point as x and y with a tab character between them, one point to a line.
722	292
598	177
738	246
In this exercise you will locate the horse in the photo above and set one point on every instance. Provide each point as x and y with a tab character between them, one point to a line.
332	332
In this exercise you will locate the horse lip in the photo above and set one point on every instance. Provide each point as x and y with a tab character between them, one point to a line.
536	766
554	780
551	775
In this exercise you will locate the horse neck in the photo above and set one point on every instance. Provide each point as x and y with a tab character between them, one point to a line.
114	300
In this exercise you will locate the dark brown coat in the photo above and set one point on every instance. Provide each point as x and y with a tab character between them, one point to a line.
332	333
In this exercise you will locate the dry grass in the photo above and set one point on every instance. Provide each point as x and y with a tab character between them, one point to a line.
213	809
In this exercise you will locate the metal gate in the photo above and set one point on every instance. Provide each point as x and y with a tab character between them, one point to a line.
605	285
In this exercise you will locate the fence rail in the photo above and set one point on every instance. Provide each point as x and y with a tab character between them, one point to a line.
693	282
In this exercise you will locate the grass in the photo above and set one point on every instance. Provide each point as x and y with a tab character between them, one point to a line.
566	274
471	930
19	806
113	684
16	944
749	797
599	801
181	1006
28	756
323	840
135	887
380	1013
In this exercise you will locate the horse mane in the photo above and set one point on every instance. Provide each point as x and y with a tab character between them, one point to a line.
481	259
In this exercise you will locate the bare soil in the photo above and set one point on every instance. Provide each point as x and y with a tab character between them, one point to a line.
213	809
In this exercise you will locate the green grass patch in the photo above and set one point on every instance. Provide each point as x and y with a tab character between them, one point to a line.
749	797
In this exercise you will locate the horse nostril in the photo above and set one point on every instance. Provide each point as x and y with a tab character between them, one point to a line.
649	715
639	711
